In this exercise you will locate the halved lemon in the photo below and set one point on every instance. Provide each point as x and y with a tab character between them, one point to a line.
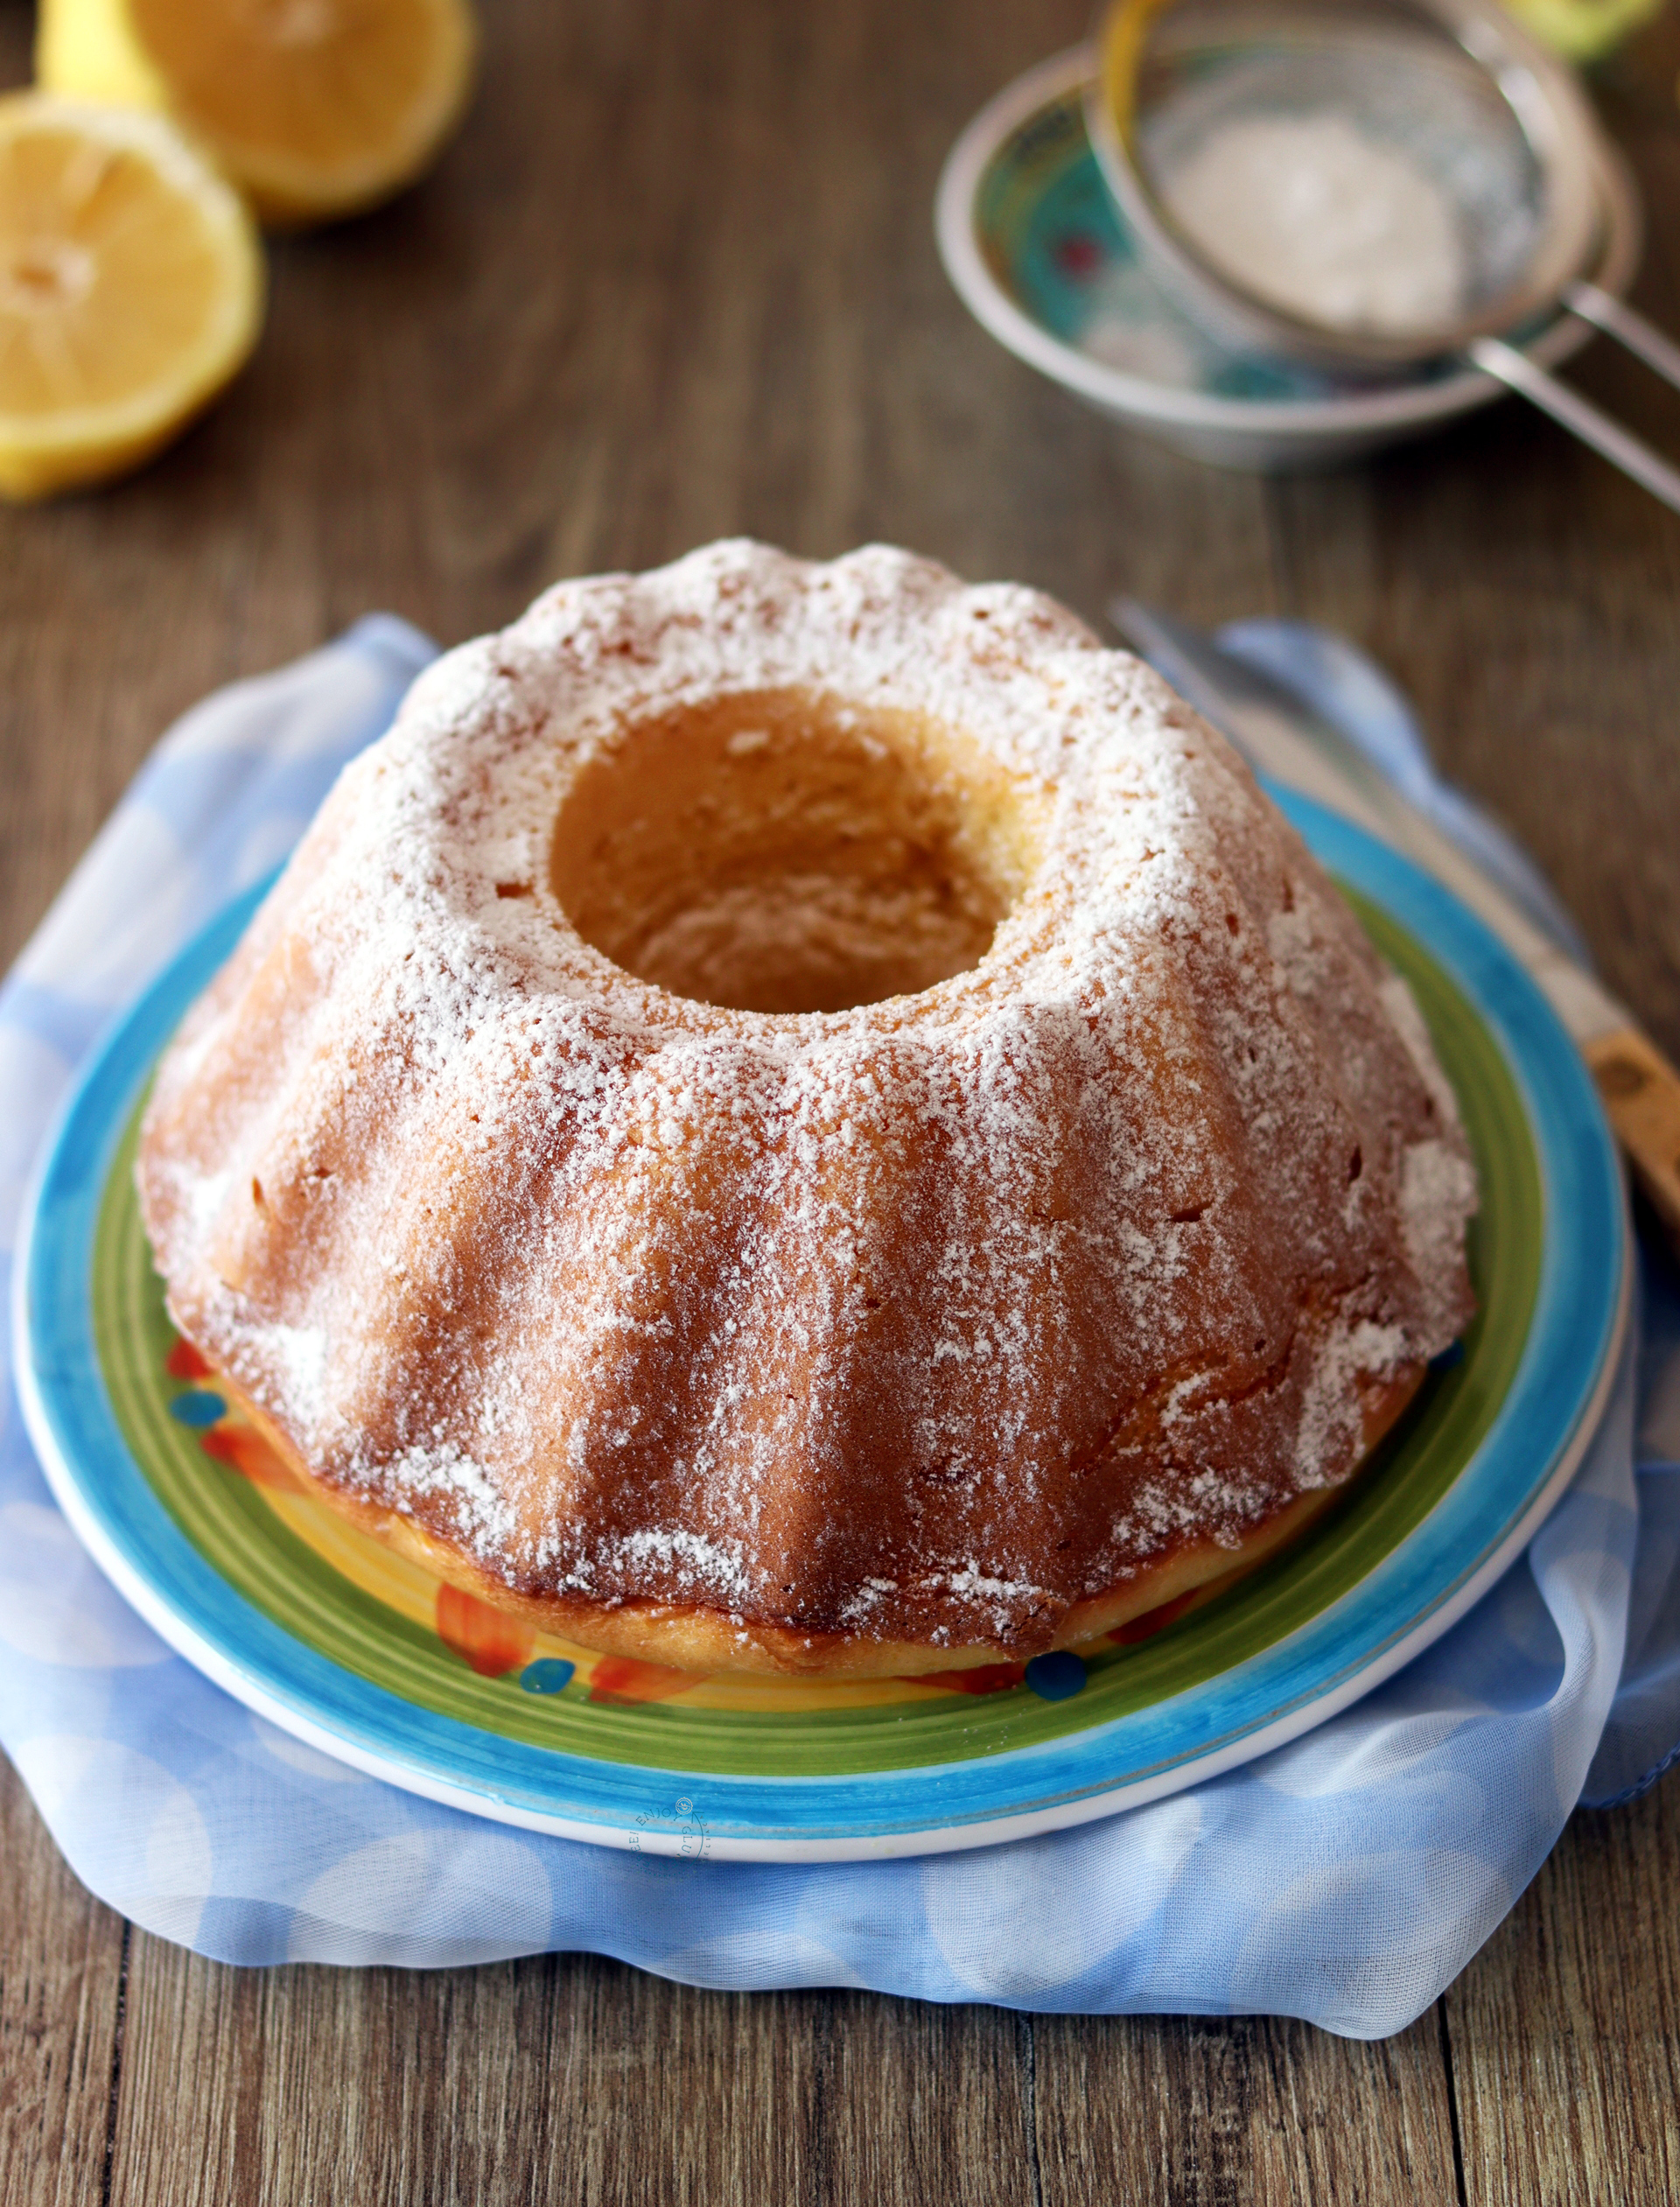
315	108
130	290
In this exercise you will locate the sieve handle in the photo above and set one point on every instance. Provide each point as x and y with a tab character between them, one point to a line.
1607	313
1588	422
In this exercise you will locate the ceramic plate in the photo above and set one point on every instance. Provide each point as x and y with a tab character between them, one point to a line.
1040	255
367	1655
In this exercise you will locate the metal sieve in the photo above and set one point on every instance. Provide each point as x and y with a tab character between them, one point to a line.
1498	131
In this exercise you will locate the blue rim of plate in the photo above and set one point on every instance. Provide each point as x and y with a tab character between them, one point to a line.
1416	1592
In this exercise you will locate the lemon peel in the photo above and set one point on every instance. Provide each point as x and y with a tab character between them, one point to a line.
316	108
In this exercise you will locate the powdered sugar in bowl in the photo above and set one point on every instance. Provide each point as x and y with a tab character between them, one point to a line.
1367	188
1047	263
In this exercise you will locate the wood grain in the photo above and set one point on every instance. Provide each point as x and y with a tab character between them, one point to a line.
1564	2031
62	1967
570	2079
676	279
1191	2113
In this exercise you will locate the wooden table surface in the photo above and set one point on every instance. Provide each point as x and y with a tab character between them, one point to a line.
676	280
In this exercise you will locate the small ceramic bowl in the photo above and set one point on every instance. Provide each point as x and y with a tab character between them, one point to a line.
1040	256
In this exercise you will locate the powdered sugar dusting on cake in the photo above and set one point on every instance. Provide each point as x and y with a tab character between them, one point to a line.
921	1320
1437	1191
1402	1008
1332	1416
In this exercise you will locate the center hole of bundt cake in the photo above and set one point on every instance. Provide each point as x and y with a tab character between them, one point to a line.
781	852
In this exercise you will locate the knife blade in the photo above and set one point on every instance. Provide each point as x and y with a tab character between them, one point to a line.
1280	734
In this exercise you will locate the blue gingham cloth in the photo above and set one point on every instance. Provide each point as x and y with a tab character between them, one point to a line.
1345	1878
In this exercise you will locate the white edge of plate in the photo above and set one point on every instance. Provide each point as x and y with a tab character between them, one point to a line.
1132	397
1060	1816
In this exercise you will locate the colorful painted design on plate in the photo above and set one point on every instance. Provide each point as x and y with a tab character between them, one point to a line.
489	1640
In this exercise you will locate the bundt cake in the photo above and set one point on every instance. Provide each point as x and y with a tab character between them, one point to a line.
809	1117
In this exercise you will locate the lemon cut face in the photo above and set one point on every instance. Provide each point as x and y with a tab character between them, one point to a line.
315	108
131	290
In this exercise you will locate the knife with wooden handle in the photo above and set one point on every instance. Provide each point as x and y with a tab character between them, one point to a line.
1280	735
